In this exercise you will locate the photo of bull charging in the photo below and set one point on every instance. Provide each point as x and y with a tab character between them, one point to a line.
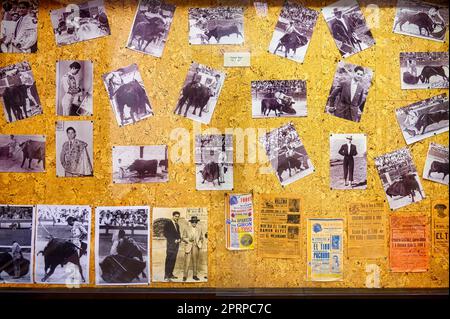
218	25
293	31
151	27
424	118
122	245
62	244
421	19
140	164
424	70
436	167
22	153
399	178
18	92
16	243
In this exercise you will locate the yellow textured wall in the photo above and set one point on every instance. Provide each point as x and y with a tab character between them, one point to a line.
163	78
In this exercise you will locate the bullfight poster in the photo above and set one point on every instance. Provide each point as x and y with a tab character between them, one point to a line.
436	167
239	216
424	70
325	249
22	153
439	224
62	244
122	245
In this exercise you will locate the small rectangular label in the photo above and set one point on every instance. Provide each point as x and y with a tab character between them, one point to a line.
236	59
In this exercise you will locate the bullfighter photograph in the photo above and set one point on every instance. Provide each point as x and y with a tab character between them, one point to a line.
293	31
140	164
18	92
436	165
421	19
80	22
424	70
122	245
287	154
348	27
22	153
151	27
276	98
200	92
127	95
180	245
214	162
399	178
16	243
219	25
74	149
62	244
349	91
424	119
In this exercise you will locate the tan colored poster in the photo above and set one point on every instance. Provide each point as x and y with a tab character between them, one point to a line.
409	244
279	227
439	210
366	224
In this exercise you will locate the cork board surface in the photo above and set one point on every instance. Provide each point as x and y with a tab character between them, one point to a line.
163	79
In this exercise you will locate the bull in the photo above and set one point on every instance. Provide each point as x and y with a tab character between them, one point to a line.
144	167
429	71
427	119
33	150
288	163
438	167
211	173
291	42
15	98
406	186
219	32
7	265
195	94
147	31
271	104
422	21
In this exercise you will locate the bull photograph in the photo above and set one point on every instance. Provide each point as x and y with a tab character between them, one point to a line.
348	161
62	244
22	153
18	92
220	25
279	98
293	31
200	92
421	19
127	95
80	22
424	118
214	162
424	70
74	88
436	165
18	20
287	154
74	149
349	91
348	27
151	27
16	244
122	245
399	178
140	164
180	245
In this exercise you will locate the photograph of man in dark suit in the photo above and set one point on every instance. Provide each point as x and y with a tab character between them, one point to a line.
344	31
348	150
173	237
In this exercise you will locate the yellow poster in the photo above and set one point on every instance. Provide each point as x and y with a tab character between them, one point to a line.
239	221
439	215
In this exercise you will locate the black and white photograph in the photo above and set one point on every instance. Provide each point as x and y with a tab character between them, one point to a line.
80	22
421	19
74	149
287	154
261	8
214	161
127	95
180	245
140	164
122	245
348	27
22	153
18	92
424	118
200	92
349	91
16	243
348	161
151	27
399	178
424	70
293	31
62	244
74	88
436	165
279	98
218	25
18	26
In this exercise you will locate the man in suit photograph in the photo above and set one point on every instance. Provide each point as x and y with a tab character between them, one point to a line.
344	31
348	150
173	239
193	238
25	34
